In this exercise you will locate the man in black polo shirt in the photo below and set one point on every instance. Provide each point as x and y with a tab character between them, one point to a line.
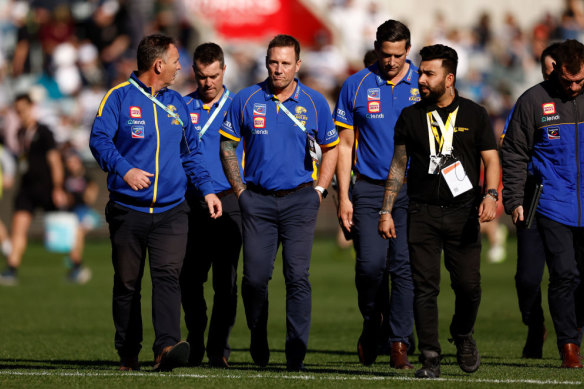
445	137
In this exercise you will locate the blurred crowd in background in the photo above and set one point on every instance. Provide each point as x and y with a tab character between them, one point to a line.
67	53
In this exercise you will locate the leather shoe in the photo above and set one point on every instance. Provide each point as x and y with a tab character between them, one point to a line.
533	348
220	362
399	356
259	349
172	356
571	356
130	364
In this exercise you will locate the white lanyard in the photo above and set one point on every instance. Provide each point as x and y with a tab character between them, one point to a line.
164	107
221	102
296	121
155	100
446	130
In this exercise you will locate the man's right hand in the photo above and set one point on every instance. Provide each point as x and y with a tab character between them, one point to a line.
138	179
517	214
386	227
345	214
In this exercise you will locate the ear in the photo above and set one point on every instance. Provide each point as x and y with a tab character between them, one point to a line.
298	63
158	66
449	80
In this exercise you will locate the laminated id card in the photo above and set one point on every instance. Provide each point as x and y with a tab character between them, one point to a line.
456	178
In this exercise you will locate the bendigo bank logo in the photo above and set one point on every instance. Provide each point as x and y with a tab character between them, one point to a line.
374	107
135	112
259	122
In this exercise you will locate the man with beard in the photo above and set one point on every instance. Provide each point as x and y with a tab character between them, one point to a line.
445	137
207	245
368	107
544	138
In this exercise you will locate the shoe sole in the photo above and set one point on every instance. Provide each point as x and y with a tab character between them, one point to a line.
175	357
473	368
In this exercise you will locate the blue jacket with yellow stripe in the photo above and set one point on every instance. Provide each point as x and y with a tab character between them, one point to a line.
132	131
546	131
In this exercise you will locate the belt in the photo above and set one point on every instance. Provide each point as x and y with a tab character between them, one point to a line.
224	193
277	193
375	182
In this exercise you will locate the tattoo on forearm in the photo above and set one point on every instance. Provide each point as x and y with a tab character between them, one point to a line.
231	164
395	178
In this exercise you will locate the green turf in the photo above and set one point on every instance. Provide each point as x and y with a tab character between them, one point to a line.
54	334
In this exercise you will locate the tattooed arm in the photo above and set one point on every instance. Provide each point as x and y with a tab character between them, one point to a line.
231	165
393	184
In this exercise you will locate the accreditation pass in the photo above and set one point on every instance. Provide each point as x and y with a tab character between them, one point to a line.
456	178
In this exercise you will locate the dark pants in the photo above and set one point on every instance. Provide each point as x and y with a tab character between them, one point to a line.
268	221
564	246
216	243
530	268
163	236
376	258
456	231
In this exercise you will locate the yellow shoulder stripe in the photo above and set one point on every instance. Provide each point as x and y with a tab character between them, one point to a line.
228	135
108	94
337	123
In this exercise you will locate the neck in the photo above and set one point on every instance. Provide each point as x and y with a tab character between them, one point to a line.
151	80
284	93
213	100
398	77
445	100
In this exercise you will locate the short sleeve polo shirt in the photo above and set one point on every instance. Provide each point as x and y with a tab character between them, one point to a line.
370	106
276	153
200	113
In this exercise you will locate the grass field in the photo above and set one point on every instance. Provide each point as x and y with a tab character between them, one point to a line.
54	334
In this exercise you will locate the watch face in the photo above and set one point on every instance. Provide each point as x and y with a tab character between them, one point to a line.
324	193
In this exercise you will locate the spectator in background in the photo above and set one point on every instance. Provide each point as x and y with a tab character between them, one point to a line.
81	194
7	173
41	185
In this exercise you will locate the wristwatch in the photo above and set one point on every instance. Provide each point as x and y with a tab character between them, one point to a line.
322	191
493	193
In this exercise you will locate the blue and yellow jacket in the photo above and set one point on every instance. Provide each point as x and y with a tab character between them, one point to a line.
131	131
546	131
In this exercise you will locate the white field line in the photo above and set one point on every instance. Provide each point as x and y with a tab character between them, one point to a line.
276	377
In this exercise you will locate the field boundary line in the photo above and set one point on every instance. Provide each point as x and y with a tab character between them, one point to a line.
304	377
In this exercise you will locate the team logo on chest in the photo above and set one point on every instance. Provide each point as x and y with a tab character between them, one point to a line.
172	109
300	114
553	133
259	109
373	94
195	118
135	112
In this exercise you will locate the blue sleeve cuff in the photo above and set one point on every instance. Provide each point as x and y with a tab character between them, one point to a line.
206	188
122	167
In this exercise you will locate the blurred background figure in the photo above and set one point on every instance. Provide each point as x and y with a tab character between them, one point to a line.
81	192
7	172
41	185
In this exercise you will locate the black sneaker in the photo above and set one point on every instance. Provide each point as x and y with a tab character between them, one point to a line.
8	277
467	354
430	365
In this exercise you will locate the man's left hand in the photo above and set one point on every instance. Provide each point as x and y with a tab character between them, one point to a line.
487	209
214	204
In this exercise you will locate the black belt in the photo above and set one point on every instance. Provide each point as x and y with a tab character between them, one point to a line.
224	193
375	182
277	193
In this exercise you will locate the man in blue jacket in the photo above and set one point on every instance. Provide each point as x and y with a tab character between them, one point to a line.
144	139
546	132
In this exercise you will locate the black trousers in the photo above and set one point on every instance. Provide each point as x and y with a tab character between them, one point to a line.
456	231
530	268
217	244
163	236
564	246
